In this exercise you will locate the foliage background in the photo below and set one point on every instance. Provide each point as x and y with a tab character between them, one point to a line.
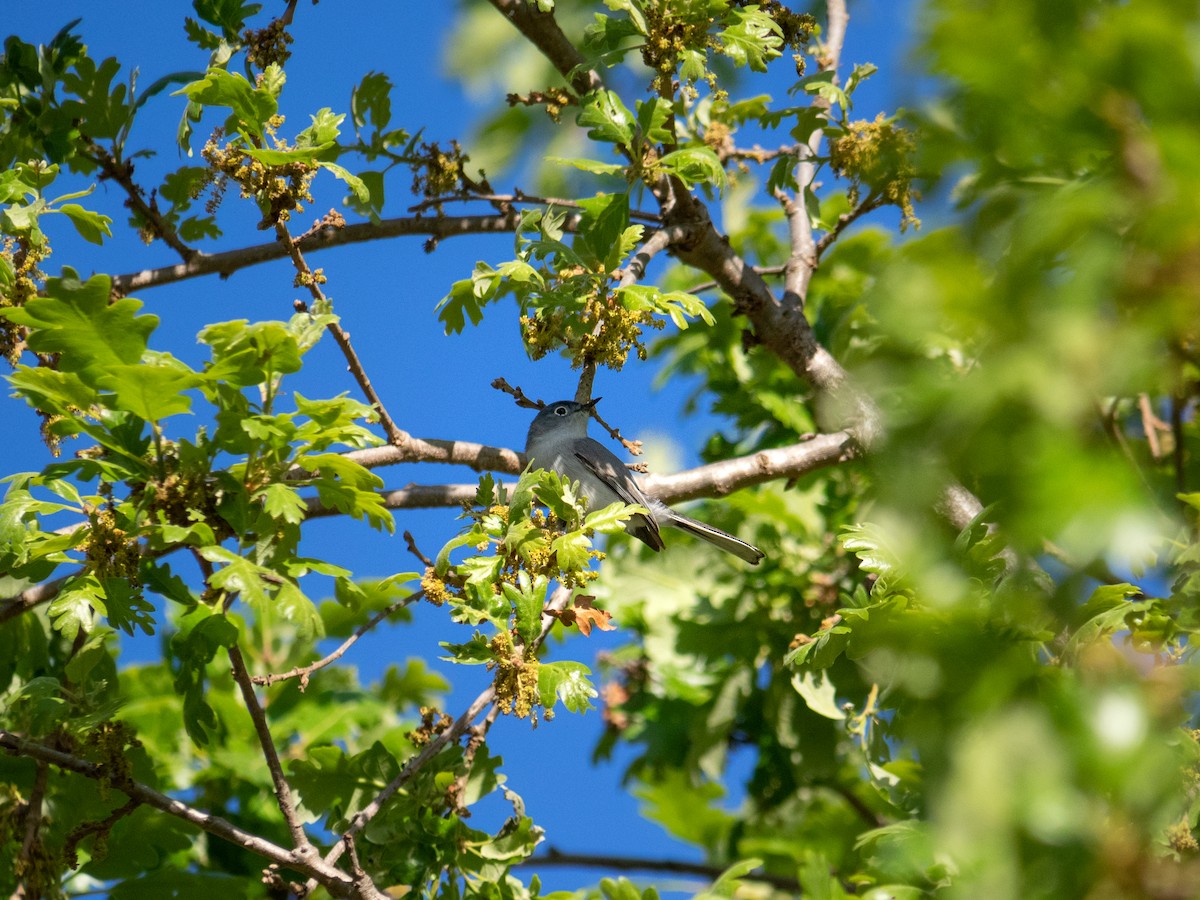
993	349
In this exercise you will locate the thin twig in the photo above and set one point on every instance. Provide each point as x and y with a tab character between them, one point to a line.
1151	425
554	857
873	202
436	228
283	791
122	173
411	543
395	436
102	826
758	270
304	672
517	394
517	196
757	154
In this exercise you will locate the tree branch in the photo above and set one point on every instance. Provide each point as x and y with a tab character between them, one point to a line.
122	174
502	201
712	480
340	336
334	880
555	857
230	261
31	597
875	201
283	791
303	672
461	725
541	30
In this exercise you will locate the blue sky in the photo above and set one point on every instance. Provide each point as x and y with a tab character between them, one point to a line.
434	385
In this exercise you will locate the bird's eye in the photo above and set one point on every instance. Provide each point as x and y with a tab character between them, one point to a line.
560	410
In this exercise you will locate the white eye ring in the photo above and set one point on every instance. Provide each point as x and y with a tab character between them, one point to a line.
560	410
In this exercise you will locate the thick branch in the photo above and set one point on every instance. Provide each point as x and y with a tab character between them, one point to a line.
31	597
479	457
337	882
712	480
541	30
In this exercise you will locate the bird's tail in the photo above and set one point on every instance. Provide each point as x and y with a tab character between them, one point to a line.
715	536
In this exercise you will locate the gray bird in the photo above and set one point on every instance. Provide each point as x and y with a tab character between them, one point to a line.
558	441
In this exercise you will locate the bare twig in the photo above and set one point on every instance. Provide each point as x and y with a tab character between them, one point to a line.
100	827
122	173
334	880
760	270
341	337
554	857
517	394
304	672
503	201
757	154
230	261
283	791
634	447
1151	425
873	202
411	543
33	821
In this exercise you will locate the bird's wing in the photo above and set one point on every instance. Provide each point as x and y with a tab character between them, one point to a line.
605	465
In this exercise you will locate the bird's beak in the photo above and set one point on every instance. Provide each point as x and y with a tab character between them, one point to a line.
591	404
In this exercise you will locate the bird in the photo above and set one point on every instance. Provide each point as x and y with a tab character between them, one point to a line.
558	441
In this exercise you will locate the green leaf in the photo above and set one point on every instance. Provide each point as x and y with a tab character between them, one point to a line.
612	518
74	608
76	320
572	551
92	226
607	118
371	101
252	106
528	598
151	392
604	220
282	502
729	883
819	693
753	39
695	165
195	647
567	681
357	186
53	391
653	117
588	165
